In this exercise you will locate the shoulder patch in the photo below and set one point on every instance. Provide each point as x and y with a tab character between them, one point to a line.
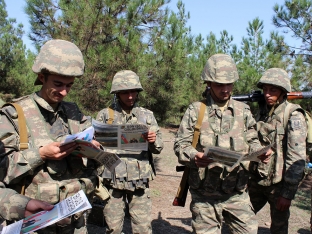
296	123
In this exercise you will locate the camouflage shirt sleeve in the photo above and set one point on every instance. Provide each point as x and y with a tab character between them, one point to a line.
19	162
295	155
158	145
251	132
183	142
12	204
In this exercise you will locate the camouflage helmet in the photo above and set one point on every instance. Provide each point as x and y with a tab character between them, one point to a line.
277	77
126	80
59	57
220	68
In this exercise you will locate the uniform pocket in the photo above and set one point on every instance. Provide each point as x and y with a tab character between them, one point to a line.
48	192
242	179
195	177
229	180
213	177
69	189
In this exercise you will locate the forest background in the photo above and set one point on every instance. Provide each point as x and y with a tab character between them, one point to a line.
149	38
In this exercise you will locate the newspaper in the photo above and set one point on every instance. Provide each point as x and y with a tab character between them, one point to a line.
231	158
87	149
71	205
125	136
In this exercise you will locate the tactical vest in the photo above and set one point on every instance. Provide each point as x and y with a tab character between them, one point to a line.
216	177
270	132
135	170
55	179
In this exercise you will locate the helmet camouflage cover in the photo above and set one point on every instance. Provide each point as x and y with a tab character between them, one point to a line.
59	57
277	77
126	80
220	68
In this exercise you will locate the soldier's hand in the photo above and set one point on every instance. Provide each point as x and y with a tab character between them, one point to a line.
201	160
265	158
34	206
283	203
96	143
56	151
151	137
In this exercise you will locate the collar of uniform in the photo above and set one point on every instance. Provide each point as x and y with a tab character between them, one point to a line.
41	102
214	106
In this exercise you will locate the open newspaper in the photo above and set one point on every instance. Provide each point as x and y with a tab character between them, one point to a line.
71	205
125	136
87	149
230	158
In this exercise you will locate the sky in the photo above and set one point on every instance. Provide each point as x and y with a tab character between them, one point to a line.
206	16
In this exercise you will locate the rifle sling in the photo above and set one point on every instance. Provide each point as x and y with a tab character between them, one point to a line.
23	134
22	128
110	116
199	123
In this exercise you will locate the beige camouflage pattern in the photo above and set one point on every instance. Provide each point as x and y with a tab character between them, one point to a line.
140	208
233	129
59	57
220	68
209	214
125	80
131	177
282	175
49	180
277	77
12	204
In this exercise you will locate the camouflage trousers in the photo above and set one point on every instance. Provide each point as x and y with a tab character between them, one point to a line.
77	226
236	211
260	195
140	209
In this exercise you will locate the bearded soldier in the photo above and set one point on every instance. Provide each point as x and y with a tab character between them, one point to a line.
277	181
45	168
218	193
130	180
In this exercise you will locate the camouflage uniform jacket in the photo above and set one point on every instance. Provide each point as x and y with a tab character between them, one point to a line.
288	160
135	170
50	180
12	204
233	129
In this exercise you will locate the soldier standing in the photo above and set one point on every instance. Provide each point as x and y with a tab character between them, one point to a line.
130	180
218	194
47	169
277	181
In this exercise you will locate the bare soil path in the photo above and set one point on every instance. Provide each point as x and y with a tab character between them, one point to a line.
170	219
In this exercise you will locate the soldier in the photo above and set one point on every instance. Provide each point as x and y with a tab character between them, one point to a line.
218	194
130	180
277	181
14	206
47	169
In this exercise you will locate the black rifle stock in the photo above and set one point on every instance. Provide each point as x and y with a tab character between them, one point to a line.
255	96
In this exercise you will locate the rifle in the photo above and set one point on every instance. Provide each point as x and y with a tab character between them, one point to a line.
254	96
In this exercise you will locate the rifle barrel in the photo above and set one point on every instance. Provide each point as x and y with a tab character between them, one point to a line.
255	97
299	95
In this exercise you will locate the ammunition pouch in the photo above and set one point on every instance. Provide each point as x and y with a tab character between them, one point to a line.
217	177
130	174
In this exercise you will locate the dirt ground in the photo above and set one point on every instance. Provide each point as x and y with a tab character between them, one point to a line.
171	219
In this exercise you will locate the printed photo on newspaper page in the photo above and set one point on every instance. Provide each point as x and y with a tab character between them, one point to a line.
71	205
125	136
231	158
